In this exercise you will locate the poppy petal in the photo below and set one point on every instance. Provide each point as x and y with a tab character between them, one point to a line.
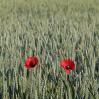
67	72
63	64
31	62
68	65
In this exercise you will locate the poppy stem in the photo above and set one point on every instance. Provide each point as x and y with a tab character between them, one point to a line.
67	77
27	75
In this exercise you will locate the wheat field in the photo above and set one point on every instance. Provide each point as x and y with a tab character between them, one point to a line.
52	30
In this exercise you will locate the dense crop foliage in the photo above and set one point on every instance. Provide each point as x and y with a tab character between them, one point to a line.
52	30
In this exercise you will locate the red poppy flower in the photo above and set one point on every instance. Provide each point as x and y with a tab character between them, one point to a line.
31	62
68	65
